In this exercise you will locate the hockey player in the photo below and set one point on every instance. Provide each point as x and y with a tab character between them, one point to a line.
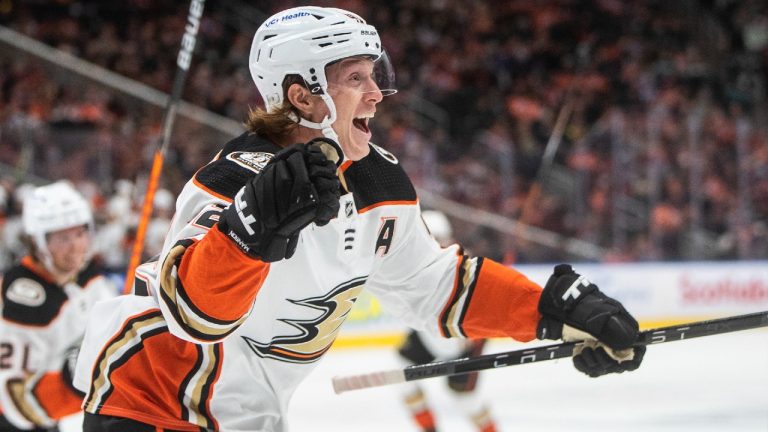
422	347
274	240
45	301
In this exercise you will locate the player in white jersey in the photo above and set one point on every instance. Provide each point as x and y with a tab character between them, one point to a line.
45	301
274	240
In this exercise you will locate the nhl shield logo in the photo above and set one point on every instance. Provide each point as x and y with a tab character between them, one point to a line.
253	161
349	208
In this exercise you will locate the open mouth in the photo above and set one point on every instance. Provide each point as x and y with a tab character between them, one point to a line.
362	124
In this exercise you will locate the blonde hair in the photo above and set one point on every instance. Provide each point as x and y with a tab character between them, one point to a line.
277	124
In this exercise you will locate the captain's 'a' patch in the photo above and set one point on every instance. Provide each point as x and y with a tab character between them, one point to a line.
253	161
386	234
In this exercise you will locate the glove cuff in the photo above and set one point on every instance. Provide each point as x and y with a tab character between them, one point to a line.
224	228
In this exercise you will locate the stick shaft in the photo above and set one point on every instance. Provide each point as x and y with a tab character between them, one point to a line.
183	60
556	351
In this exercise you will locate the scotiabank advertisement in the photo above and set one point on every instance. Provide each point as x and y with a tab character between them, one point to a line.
661	292
657	294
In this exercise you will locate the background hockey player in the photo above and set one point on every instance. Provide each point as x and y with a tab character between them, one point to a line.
274	240
45	302
422	347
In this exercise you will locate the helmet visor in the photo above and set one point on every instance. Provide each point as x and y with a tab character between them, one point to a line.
359	73
384	75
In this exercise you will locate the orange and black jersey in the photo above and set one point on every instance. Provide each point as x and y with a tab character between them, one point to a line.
40	330
254	330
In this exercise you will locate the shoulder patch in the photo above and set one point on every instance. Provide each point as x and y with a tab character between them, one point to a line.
26	292
239	160
385	154
253	161
29	299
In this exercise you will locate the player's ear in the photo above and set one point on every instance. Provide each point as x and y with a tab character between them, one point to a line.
299	97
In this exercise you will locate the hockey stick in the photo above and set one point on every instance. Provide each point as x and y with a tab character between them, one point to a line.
183	61
550	150
543	353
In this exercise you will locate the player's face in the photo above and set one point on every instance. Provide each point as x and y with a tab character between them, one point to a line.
69	248
355	93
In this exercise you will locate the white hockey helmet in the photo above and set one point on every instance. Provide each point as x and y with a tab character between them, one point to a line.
303	41
439	226
52	208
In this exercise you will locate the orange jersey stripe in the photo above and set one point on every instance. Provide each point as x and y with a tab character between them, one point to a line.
210	192
219	279
504	304
292	354
383	203
56	397
38	269
345	165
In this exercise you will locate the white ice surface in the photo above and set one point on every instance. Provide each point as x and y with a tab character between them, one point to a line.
717	383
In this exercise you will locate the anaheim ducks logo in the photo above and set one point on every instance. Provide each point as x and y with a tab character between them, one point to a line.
26	291
254	161
315	336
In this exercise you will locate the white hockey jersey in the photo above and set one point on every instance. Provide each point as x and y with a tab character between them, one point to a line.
42	323
217	340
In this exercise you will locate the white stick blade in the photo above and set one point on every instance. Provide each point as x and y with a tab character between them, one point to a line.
374	379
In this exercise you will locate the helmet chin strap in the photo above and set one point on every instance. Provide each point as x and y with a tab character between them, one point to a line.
46	259
325	125
328	132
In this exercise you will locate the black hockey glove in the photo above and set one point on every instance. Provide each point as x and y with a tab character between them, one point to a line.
297	187
573	308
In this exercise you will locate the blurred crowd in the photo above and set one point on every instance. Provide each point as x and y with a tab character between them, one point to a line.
661	152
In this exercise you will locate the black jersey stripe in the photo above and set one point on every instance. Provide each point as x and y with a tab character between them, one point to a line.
207	390
446	314
470	293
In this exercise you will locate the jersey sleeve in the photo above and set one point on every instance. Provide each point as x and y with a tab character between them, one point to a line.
445	292
39	400
205	285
